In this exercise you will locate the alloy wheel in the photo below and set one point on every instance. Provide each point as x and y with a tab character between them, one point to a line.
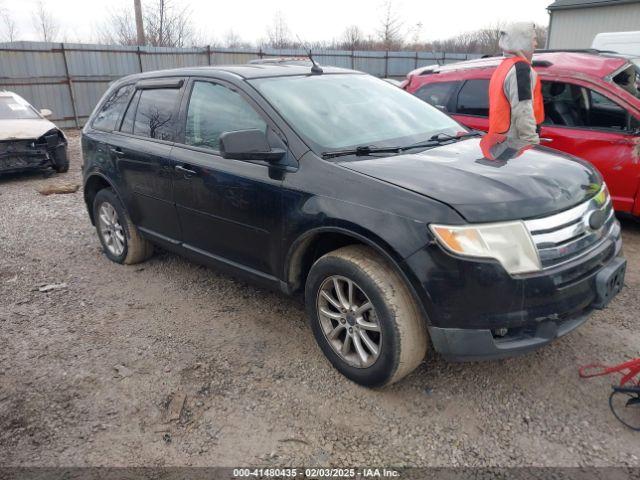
111	229
349	321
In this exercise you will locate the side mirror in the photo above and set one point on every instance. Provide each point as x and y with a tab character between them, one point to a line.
45	112
248	145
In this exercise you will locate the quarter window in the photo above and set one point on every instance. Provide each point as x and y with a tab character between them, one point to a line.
130	115
111	110
215	109
156	112
473	98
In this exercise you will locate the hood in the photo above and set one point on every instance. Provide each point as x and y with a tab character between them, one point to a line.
515	182
24	129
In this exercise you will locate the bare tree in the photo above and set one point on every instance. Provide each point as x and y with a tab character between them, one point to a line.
120	28
484	40
352	38
164	22
8	26
278	34
232	39
390	30
489	38
45	24
168	25
541	35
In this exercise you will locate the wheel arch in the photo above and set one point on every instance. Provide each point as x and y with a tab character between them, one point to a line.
92	185
312	244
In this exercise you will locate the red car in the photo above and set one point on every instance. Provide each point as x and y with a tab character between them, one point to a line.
591	101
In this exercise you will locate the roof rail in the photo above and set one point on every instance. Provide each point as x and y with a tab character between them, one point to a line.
593	51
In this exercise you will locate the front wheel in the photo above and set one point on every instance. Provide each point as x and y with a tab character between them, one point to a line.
60	159
363	316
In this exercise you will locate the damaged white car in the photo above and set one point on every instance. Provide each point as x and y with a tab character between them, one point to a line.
27	138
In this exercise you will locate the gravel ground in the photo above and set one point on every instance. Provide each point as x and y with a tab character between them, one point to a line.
169	363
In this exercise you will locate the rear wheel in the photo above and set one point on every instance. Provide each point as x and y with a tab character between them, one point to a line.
121	241
363	316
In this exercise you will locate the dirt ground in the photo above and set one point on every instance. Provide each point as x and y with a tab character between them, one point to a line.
168	363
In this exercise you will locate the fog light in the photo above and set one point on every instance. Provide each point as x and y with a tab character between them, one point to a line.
500	332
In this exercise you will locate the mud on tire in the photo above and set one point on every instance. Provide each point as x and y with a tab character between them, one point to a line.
136	248
403	335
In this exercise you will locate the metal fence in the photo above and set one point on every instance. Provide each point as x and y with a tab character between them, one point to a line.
70	78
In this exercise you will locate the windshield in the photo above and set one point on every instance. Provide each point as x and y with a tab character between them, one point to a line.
338	111
12	108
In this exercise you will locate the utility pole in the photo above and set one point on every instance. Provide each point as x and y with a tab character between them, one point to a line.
139	25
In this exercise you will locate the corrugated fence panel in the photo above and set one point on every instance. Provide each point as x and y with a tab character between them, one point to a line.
373	63
334	58
400	63
232	57
87	95
37	70
101	60
30	60
160	58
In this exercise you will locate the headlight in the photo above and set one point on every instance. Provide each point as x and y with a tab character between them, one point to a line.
509	243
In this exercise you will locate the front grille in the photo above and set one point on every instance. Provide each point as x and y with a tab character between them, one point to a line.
568	235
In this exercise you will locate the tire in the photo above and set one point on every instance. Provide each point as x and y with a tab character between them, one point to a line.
60	159
135	248
401	338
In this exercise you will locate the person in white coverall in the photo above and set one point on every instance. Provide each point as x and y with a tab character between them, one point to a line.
516	106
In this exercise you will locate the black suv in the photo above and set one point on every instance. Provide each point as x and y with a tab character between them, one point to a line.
402	228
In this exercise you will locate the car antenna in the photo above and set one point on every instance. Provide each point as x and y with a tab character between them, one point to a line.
315	68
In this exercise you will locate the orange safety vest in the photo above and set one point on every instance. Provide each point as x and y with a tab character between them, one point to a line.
499	106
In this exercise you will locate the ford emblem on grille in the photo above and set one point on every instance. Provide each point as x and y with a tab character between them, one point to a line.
596	219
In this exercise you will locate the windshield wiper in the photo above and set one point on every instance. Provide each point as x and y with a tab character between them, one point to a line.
445	137
365	150
440	138
361	151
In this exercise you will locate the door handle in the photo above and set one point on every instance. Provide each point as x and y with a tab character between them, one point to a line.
185	171
117	151
546	139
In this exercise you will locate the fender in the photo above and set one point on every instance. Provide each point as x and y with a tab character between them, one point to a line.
93	174
379	245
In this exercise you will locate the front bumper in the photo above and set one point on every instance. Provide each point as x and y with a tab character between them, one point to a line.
18	155
463	345
477	311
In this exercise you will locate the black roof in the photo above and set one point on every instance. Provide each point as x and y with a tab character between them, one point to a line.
244	71
566	4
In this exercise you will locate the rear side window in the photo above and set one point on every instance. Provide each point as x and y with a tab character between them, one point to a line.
107	117
156	114
215	109
473	98
437	94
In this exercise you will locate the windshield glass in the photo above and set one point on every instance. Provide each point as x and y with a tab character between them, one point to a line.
339	111
15	108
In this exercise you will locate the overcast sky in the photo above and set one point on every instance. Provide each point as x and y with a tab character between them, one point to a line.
308	19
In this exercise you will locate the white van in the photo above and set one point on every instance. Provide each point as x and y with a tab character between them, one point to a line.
621	42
